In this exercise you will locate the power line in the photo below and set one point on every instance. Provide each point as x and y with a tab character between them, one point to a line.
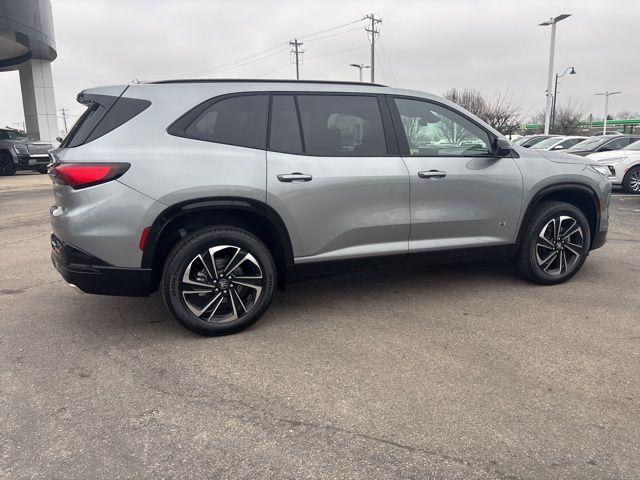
386	59
336	52
373	29
333	34
242	64
240	60
297	52
319	32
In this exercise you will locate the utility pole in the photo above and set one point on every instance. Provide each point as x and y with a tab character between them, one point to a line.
606	108
63	113
297	52
375	33
551	22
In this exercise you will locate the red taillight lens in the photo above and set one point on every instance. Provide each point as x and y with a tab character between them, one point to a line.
143	238
81	175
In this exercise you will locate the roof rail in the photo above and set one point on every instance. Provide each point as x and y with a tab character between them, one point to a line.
263	80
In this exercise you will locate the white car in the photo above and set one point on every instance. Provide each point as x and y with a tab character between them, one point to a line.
558	143
623	165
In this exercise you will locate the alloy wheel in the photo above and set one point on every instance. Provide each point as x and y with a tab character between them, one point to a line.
634	181
559	245
222	284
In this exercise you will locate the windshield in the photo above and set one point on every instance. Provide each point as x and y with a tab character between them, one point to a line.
590	143
15	135
546	143
520	141
632	146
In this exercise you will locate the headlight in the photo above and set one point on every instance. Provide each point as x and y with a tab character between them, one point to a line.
614	160
601	169
21	149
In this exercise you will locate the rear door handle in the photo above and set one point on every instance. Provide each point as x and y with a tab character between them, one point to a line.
294	177
432	174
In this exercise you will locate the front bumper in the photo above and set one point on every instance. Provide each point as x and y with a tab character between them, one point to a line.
92	275
33	161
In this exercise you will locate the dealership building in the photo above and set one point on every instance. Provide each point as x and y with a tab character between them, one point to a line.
27	44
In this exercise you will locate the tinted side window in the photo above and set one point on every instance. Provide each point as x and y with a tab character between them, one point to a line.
616	144
4	135
238	121
570	143
285	130
342	125
436	131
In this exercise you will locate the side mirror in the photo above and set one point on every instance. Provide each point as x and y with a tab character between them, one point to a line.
502	147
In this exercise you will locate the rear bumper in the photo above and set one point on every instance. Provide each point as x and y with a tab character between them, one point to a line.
92	275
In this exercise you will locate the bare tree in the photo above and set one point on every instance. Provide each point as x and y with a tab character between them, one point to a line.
499	110
627	115
469	99
503	113
568	116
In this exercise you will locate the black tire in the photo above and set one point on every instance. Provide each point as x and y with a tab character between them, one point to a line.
186	258
41	169
631	181
537	247
7	167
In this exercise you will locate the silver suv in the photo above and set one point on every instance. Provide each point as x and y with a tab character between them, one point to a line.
217	192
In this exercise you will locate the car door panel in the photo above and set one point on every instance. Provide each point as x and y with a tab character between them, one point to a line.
353	207
476	204
473	200
350	202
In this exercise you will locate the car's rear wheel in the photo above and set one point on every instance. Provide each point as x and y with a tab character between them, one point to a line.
219	280
631	181
555	244
7	166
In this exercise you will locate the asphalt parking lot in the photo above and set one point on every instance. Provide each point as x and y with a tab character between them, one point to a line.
456	372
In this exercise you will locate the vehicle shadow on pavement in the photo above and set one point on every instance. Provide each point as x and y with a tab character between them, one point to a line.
354	291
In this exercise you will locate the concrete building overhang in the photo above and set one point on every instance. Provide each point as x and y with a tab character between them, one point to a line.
26	32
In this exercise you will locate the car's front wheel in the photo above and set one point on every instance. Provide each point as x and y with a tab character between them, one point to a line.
555	244
631	181
219	280
7	166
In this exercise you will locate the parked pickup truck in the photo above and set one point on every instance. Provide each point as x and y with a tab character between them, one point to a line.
19	152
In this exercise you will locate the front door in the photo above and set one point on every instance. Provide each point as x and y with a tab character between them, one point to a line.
462	197
341	192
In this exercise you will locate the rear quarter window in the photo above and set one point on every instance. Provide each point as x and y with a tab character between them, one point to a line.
104	113
239	120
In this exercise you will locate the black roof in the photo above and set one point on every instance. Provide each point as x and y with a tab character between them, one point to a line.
263	80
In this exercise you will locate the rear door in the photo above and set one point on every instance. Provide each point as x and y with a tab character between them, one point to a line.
462	196
335	177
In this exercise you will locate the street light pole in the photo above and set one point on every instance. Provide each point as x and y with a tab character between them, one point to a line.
606	108
359	66
552	21
572	71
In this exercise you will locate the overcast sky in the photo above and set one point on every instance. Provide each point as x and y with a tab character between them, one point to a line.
430	45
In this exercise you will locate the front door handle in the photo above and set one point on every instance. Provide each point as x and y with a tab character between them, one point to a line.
294	177
432	174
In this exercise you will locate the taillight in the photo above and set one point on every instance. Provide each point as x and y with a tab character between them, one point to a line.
82	175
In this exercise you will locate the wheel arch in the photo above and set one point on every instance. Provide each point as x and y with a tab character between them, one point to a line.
182	218
582	196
